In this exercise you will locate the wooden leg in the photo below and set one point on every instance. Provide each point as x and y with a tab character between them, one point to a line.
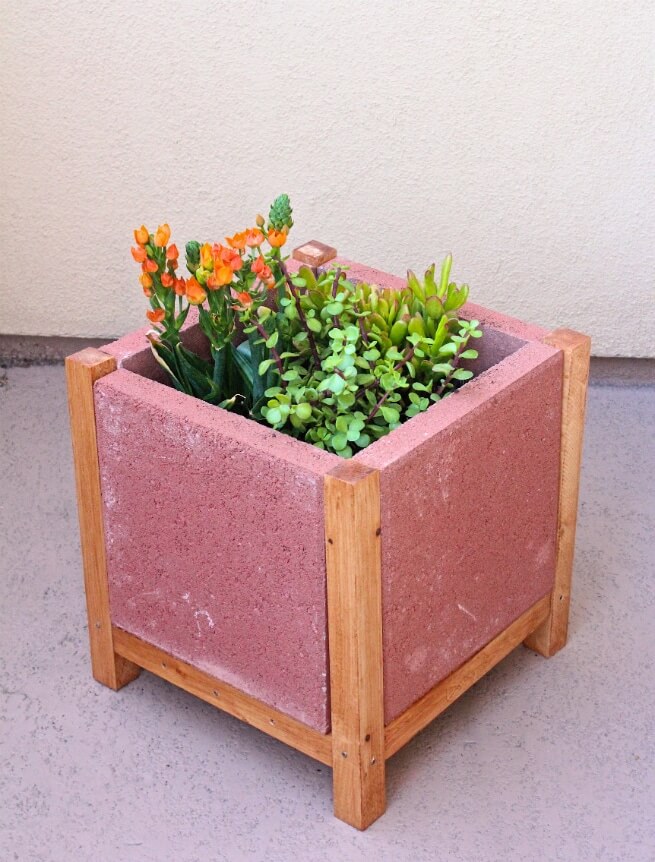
551	634
82	370
352	534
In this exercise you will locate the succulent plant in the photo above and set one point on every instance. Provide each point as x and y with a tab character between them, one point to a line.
359	360
325	359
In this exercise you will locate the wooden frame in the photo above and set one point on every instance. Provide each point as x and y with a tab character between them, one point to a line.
359	743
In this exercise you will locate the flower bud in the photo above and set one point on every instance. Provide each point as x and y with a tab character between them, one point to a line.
141	235
138	253
162	235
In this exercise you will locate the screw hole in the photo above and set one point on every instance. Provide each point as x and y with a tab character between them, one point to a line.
367	737
163	664
344	754
378	531
372	761
215	693
330	542
272	720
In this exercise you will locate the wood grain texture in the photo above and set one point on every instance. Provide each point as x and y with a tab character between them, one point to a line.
552	635
314	253
439	698
224	696
82	370
352	541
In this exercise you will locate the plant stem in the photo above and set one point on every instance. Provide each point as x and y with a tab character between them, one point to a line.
335	283
442	387
377	406
406	358
301	315
276	356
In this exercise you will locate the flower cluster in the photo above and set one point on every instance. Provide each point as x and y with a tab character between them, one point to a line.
159	263
330	361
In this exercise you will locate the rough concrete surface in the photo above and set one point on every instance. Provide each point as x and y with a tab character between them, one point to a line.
216	541
468	497
550	761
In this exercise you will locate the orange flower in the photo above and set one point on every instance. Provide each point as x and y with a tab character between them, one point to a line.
224	256
245	300
206	256
141	235
277	238
139	253
156	316
149	265
162	235
221	276
179	286
167	279
257	265
148	291
172	253
254	237
237	241
260	268
194	292
146	280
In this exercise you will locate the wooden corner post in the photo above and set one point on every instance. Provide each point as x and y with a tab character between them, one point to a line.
82	370
552	633
352	537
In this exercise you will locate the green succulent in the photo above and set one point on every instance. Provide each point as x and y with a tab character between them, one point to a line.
279	215
358	361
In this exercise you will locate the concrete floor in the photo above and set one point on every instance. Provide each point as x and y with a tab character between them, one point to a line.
541	760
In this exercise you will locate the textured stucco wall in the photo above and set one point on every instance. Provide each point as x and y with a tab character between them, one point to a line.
519	135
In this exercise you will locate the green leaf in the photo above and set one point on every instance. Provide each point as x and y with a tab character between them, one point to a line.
390	414
342	423
303	411
273	416
271	341
313	324
339	441
462	374
469	354
264	366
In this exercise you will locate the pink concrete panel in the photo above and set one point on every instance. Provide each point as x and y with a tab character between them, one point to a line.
215	541
133	352
469	506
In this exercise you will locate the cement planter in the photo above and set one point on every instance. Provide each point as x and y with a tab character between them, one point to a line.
228	557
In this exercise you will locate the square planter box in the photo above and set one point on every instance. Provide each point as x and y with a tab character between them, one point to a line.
337	605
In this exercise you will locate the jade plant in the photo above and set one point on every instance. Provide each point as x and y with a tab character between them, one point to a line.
312	353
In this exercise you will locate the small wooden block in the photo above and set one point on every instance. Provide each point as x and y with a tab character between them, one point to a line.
314	253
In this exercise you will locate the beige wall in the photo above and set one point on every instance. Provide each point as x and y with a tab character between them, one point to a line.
519	135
